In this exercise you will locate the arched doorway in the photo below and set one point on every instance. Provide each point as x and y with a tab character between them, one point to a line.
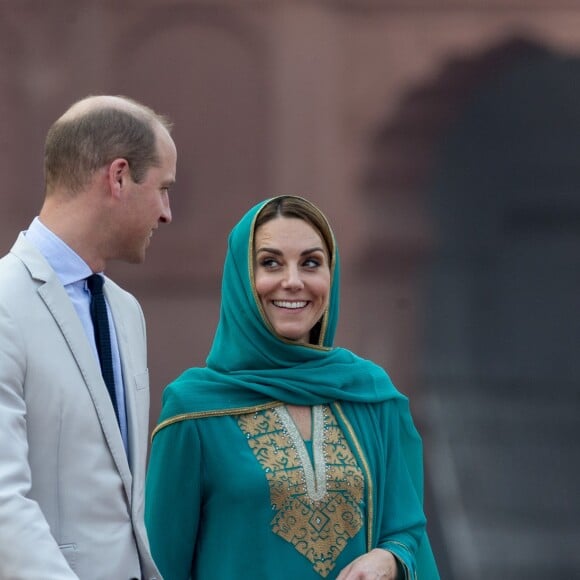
489	156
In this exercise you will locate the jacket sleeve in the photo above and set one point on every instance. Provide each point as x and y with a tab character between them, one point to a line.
173	498
28	550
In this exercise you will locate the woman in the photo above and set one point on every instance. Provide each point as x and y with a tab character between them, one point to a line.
285	457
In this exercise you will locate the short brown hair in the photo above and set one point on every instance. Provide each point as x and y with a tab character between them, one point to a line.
78	145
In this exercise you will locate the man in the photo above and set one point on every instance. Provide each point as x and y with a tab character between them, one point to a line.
72	459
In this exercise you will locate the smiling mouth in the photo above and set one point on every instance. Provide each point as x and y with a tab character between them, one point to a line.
290	304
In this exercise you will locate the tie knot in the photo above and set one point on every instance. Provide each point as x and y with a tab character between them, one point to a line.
95	283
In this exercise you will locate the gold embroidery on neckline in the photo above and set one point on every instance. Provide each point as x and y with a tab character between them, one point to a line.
317	510
315	476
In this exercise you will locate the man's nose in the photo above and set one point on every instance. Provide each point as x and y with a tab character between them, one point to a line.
166	217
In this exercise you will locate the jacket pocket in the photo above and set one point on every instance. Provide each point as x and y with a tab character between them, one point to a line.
141	380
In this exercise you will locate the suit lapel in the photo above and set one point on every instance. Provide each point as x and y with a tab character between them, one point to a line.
58	303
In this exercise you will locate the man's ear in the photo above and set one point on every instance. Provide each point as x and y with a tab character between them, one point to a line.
118	175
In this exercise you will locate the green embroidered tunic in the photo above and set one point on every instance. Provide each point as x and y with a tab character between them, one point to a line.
239	496
233	491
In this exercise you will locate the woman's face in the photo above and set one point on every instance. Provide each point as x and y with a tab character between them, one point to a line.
291	276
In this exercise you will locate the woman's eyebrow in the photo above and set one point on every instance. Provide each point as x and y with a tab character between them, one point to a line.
312	250
279	252
269	250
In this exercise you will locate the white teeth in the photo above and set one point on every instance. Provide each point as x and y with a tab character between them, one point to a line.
288	304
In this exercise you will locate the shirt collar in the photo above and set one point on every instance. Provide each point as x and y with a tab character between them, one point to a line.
66	263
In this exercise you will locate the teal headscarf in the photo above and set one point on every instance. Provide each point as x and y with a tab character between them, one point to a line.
250	367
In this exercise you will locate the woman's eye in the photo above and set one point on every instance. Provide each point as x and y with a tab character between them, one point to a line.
312	263
268	262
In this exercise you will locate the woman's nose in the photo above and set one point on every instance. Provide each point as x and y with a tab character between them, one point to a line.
292	279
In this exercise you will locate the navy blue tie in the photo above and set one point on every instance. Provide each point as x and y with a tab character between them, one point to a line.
102	334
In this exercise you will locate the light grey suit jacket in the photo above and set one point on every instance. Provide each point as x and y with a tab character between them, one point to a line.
71	501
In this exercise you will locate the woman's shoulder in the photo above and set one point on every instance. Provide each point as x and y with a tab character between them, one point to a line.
376	411
179	395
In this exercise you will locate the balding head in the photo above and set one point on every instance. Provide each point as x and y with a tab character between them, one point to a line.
97	102
93	132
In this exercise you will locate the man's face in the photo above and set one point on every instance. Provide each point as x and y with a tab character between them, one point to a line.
147	203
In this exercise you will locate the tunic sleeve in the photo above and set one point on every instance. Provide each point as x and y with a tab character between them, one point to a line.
173	498
402	524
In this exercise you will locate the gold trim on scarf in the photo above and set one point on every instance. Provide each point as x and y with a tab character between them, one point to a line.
212	413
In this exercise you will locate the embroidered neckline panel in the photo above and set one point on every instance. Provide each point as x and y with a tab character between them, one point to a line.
315	476
317	508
